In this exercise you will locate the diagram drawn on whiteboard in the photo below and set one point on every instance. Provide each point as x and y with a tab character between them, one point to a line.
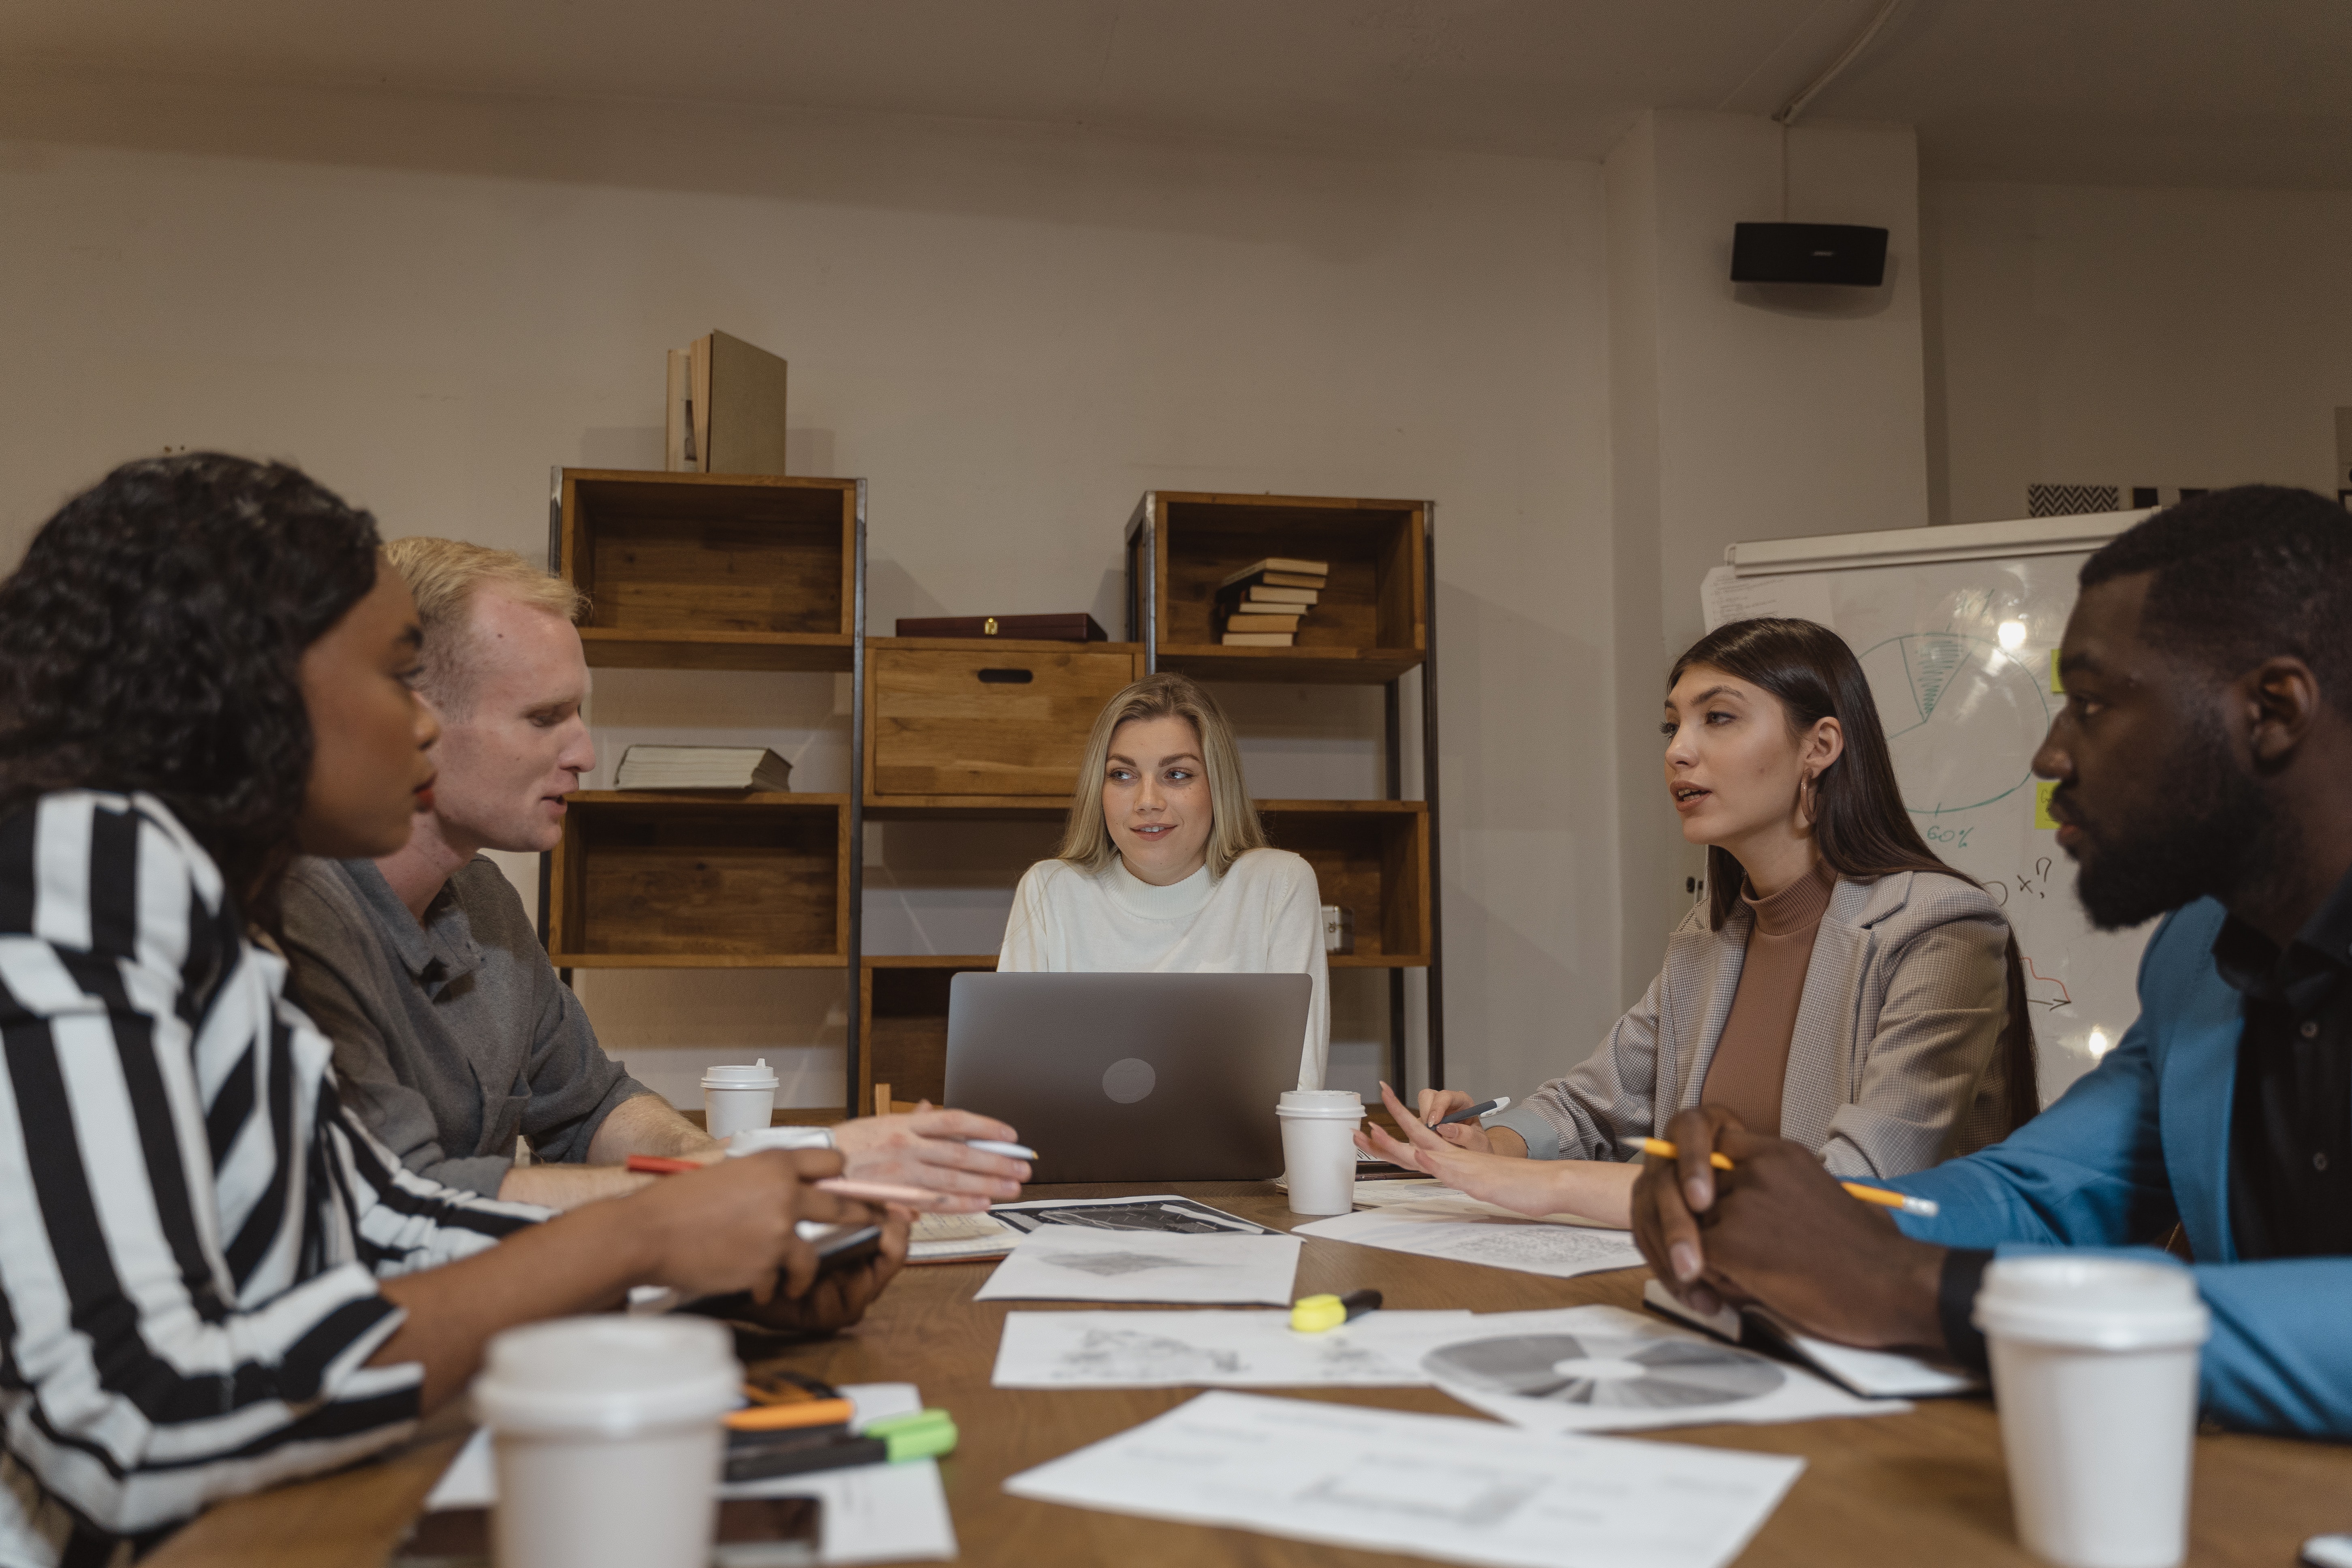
1963	719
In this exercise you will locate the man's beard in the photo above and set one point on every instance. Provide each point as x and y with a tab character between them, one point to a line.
2218	832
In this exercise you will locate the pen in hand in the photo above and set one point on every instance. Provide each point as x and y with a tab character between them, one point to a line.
1472	1112
1924	1208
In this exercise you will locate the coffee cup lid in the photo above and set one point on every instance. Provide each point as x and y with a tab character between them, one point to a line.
759	1075
2090	1303
1319	1102
608	1377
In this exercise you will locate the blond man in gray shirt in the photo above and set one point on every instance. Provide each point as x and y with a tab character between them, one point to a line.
453	1034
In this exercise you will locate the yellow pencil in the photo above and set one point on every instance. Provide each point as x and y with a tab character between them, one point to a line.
1925	1208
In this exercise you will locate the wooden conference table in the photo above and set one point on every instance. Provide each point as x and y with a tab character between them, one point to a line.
1927	1486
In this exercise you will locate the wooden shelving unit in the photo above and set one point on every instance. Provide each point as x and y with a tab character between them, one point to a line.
1373	625
668	880
904	1003
719	572
711	572
1370	626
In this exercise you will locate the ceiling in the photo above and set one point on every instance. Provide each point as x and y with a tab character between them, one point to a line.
2228	92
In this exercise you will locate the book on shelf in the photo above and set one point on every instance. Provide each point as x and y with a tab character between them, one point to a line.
1075	627
1261	623
1258	639
1259	594
726	409
1279	572
703	767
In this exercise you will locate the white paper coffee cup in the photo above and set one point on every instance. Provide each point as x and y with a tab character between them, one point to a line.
735	1099
1319	1147
606	1439
2094	1370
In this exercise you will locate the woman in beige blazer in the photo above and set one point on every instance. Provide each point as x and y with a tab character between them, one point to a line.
1841	986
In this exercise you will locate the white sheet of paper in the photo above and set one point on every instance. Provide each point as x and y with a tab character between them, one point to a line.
874	1513
1075	1263
1599	1369
1434	1486
1725	595
1217	1349
1505	1240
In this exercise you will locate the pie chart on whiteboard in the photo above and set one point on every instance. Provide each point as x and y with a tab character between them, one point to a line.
1963	719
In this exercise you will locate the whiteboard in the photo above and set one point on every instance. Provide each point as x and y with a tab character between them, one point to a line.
1955	629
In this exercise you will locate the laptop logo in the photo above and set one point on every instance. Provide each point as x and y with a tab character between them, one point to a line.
1128	1080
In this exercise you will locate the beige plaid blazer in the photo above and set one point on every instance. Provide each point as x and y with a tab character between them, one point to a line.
1892	1066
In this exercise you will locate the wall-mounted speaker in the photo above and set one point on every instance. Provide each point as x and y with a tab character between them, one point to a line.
1809	253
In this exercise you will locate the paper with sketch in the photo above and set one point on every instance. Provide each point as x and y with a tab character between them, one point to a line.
1724	596
1213	1349
1599	1369
1505	1240
1071	1263
1165	1212
1433	1196
1434	1486
873	1513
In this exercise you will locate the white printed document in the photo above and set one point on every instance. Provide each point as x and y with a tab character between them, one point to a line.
1217	1349
1075	1263
1432	1486
1598	1369
1481	1233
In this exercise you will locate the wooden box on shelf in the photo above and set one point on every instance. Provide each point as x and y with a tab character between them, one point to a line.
983	724
903	1023
671	879
1369	623
1371	859
713	570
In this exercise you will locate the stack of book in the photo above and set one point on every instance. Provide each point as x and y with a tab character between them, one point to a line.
1261	606
703	767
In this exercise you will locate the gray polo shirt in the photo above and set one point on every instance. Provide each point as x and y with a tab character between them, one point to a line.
451	1037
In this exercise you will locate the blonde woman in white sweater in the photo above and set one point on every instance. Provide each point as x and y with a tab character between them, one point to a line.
1165	867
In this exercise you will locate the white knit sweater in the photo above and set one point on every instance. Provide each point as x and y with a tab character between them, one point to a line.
1264	916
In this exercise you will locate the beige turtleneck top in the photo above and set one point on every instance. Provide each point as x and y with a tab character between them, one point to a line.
1752	1058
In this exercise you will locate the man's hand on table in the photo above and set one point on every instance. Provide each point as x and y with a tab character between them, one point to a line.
926	1148
1778	1230
840	1297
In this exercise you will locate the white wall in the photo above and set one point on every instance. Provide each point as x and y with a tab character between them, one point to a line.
1742	410
1010	331
2132	336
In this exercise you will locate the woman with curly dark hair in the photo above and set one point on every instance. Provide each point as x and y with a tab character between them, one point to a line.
212	1278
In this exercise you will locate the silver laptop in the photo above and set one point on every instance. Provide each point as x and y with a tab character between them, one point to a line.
1132	1078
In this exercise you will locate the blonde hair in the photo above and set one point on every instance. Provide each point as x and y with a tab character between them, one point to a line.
1234	827
444	575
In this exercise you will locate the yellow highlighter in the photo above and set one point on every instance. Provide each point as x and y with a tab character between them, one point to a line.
1924	1208
1317	1314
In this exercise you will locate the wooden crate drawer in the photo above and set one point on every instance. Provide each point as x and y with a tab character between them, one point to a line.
987	721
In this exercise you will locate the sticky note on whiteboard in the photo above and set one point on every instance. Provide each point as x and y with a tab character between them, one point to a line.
2041	817
2055	684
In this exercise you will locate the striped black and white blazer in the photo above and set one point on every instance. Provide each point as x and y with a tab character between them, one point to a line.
191	1226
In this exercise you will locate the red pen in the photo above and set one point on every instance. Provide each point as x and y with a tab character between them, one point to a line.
659	1165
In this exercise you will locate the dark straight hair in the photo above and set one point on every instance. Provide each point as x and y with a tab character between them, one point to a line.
1860	823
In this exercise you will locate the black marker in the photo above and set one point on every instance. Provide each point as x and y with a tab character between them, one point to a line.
1484	1108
